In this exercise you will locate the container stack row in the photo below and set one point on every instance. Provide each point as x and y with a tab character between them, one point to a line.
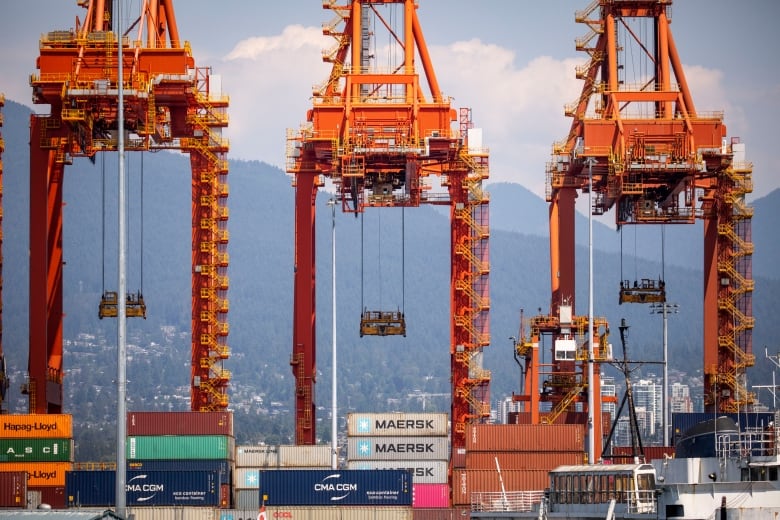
181	459
513	457
418	442
40	448
251	460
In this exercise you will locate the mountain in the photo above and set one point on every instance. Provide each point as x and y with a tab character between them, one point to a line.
387	259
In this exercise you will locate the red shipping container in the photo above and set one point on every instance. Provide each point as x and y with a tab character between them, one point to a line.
651	452
468	481
179	423
13	489
54	496
430	495
564	418
525	437
546	460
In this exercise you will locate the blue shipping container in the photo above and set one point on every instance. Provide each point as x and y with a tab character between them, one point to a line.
220	467
144	488
379	487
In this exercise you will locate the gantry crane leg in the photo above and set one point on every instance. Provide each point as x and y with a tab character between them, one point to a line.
46	268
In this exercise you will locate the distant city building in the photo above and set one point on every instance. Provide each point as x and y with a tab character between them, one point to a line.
680	398
608	390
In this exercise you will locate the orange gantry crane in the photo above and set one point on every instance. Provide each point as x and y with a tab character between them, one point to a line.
375	134
637	135
169	104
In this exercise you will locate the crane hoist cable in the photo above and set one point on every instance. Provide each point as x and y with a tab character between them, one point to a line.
381	323
135	305
646	290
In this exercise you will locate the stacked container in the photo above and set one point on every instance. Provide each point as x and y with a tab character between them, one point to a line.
415	441
523	453
40	445
189	455
252	460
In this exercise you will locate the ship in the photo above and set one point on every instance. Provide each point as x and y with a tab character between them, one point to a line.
719	471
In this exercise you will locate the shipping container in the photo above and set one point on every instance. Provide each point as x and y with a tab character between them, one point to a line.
622	454
36	450
459	458
397	424
180	423
336	487
523	459
53	496
262	456
222	468
185	447
564	418
423	471
462	513
291	456
468	481
41	474
175	513
49	426
13	489
525	437
430	495
246	499
162	488
397	448
317	513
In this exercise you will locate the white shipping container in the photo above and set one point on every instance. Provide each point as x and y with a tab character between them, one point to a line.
398	448
397	424
292	456
247	500
423	471
263	456
322	513
174	513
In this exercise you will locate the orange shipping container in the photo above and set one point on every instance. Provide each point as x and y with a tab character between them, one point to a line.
545	460
40	426
525	437
468	481
41	474
651	452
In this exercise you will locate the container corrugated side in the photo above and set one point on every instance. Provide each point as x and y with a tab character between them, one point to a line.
304	456
650	452
430	495
180	423
49	426
176	513
523	459
441	513
261	456
305	487
53	496
36	450
222	468
194	447
13	489
165	488
397	448
318	513
468	481
423	471
41	474
525	437
397	424
246	499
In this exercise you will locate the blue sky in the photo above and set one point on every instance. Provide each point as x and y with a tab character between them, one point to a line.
511	61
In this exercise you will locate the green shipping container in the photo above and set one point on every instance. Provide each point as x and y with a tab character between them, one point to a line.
180	447
36	450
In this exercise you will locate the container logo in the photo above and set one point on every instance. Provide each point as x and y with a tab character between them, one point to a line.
252	479
405	424
364	448
331	484
34	427
138	484
364	425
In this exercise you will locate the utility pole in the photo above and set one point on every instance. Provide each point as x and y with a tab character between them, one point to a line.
664	309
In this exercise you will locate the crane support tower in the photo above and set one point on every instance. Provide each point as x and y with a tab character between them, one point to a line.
3	374
657	161
380	139
169	104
